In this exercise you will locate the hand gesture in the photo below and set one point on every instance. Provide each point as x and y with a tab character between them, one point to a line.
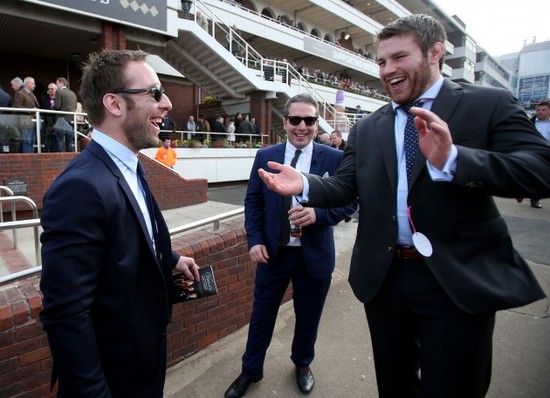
434	137
287	182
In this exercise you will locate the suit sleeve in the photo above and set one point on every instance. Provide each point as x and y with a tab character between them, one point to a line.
255	206
72	246
507	157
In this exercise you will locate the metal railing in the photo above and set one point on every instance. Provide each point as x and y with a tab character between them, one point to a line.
14	122
215	220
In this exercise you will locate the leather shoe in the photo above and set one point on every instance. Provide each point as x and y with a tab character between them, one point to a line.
304	379
238	388
519	200
536	204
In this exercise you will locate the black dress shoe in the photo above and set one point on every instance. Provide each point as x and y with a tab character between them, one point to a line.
238	388
304	379
536	204
519	200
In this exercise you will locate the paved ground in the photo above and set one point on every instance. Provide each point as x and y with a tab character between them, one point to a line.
343	365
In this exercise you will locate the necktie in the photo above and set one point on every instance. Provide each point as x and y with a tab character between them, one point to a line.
287	202
411	136
148	200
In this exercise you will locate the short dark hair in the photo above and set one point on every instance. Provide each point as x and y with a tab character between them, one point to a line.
104	73
308	99
425	29
543	103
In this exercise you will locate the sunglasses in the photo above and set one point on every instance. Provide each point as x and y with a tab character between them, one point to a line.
296	120
155	91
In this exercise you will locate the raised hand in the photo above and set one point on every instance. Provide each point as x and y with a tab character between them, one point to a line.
434	137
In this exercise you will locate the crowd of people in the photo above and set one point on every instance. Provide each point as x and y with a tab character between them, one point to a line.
56	130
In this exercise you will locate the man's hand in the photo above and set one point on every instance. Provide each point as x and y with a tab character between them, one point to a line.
287	182
434	137
258	254
189	268
302	216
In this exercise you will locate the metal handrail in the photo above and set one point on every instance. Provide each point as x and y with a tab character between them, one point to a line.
174	231
13	214
15	223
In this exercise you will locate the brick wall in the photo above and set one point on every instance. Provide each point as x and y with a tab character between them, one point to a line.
170	190
25	361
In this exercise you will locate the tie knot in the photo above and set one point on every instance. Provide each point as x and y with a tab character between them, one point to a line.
416	103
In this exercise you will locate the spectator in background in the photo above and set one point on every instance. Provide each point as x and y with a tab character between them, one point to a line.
190	127
246	127
257	129
5	99
359	112
65	100
542	123
231	132
237	120
218	126
16	84
24	98
337	141
186	8
323	138
166	154
203	126
47	101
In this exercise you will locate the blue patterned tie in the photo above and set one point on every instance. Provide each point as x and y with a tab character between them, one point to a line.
411	136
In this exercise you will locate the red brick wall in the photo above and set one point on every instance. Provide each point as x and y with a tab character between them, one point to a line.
25	361
170	190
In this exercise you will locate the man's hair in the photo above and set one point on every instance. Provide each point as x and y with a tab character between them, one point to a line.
338	133
425	29
28	79
543	103
16	80
104	73
62	80
308	99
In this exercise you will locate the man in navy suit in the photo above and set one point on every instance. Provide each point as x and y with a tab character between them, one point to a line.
305	257
433	260
106	251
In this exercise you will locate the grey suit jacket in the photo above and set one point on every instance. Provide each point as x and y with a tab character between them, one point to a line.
499	153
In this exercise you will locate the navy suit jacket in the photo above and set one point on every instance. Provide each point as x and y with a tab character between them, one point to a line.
106	297
499	153
263	209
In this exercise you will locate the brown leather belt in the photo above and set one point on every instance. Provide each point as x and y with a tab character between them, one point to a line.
407	253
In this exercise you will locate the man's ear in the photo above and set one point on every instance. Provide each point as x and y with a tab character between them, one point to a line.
436	52
112	104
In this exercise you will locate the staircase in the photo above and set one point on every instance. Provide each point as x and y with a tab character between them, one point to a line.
216	58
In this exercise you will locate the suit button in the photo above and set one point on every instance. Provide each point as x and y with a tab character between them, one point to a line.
394	218
390	249
160	299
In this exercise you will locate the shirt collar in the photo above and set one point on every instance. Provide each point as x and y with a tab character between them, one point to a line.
116	149
308	149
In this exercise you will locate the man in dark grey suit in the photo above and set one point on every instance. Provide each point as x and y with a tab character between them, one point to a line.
433	259
65	100
106	252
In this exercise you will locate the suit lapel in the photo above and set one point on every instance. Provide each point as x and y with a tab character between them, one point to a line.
385	128
317	157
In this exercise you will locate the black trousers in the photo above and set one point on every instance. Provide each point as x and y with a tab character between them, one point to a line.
424	345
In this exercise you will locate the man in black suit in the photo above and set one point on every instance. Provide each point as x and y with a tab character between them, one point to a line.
106	252
433	259
306	258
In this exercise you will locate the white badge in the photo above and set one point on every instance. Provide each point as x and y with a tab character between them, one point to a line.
422	244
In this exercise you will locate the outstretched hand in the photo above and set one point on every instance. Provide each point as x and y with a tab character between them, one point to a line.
287	182
434	137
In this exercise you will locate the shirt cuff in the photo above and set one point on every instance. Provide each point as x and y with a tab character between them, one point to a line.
304	196
449	169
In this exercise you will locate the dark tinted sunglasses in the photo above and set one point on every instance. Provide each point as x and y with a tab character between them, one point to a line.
155	91
296	120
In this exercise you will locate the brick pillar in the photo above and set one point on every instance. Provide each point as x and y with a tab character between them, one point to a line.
260	108
114	36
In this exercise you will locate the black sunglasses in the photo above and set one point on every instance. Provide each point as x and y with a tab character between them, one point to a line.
296	120
156	91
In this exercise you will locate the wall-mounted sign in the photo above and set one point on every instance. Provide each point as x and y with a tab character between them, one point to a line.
150	14
18	185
